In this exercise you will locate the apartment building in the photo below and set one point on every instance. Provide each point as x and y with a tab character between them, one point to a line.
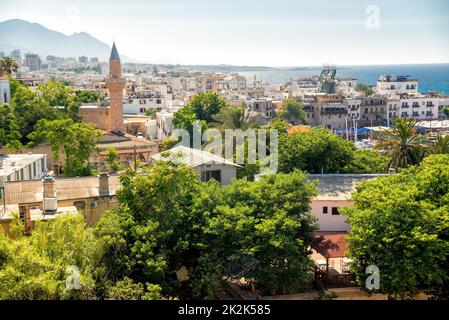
396	84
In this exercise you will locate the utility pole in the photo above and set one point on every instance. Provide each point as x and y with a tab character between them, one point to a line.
135	158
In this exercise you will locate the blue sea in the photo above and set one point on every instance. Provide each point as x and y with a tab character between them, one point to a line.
431	77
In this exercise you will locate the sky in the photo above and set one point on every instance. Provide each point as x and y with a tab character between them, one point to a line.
254	32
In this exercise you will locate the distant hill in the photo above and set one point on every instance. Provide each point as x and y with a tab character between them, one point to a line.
35	38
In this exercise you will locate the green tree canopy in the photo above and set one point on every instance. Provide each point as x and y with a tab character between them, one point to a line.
367	161
292	112
86	96
9	128
206	105
35	267
8	65
315	151
168	219
400	224
77	141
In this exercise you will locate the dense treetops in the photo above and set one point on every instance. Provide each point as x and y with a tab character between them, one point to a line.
400	223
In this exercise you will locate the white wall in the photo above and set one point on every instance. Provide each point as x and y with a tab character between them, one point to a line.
330	222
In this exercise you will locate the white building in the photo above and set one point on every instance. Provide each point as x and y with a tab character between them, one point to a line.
164	125
388	84
334	192
207	165
20	167
346	86
414	107
353	105
5	90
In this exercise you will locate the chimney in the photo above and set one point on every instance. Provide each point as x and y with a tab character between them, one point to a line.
50	203
103	184
49	187
25	217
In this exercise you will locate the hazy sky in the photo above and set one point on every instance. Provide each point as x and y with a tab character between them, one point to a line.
244	32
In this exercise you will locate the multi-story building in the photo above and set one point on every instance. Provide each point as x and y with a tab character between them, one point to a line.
83	60
2	54
260	110
353	105
32	61
346	86
331	115
54	61
388	84
94	60
373	111
416	107
16	54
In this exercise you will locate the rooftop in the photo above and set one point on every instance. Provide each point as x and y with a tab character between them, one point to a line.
66	189
339	186
192	157
10	163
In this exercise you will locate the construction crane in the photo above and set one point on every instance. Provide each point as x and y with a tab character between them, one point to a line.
327	79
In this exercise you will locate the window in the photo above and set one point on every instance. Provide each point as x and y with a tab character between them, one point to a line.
211	174
80	205
335	211
5	97
324	210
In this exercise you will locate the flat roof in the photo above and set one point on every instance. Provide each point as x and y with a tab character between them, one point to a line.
339	186
10	163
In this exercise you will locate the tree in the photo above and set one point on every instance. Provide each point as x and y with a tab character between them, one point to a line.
232	118
438	146
206	105
77	141
315	151
262	230
8	65
292	112
400	224
37	267
401	143
87	96
185	118
151	113
367	161
152	233
361	87
9	129
111	160
446	112
56	93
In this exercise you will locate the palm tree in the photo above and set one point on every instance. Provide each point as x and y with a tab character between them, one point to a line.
232	118
438	146
8	65
401	143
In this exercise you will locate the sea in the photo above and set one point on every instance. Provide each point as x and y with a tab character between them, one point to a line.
431	77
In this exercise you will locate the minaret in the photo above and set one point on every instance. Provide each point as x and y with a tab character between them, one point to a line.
115	86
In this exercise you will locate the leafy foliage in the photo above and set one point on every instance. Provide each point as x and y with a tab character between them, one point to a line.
35	267
169	219
292	112
400	223
315	151
9	129
402	145
77	141
367	161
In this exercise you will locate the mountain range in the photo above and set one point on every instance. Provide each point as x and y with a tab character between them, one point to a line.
35	38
